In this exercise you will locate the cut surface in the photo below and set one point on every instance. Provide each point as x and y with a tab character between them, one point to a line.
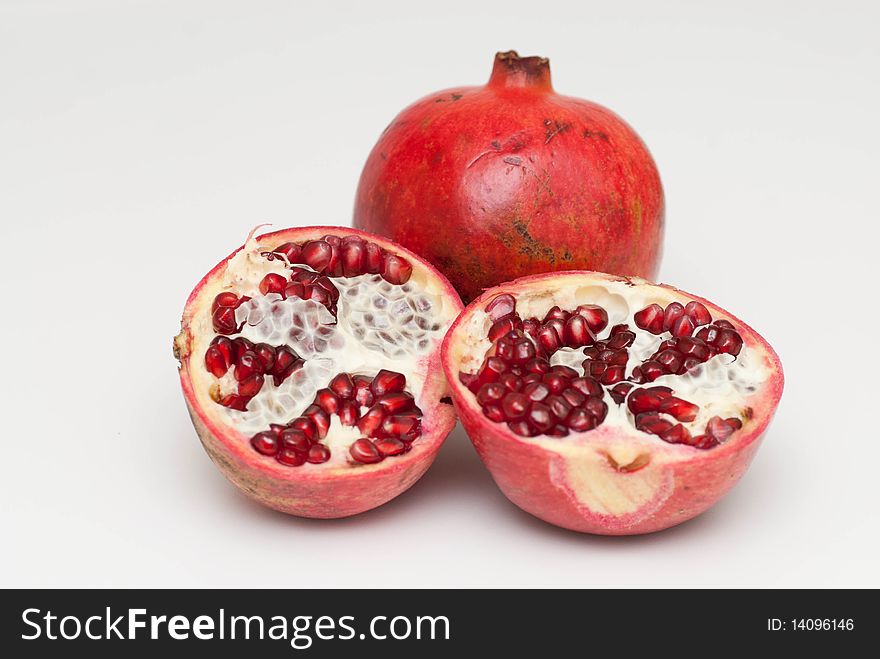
605	392
306	346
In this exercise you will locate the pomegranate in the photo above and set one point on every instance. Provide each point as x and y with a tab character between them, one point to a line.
495	182
310	364
608	404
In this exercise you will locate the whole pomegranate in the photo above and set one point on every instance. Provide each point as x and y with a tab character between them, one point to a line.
310	364
608	404
509	179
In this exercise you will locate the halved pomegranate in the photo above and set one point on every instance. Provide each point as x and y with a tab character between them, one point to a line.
310	365
607	404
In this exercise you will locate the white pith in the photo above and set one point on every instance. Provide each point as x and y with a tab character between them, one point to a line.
378	325
720	387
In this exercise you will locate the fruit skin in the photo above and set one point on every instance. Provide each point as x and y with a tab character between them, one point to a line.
495	182
551	479
327	491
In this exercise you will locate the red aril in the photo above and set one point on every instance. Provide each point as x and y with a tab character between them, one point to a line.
310	364
510	178
644	428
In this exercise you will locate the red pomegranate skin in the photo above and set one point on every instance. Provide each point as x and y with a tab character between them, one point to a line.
495	182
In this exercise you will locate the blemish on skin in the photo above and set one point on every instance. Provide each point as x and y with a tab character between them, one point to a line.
589	134
554	128
513	160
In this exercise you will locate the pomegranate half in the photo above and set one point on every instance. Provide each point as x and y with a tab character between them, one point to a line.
608	404
310	364
508	179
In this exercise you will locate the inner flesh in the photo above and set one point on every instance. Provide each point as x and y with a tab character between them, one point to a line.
608	381
356	352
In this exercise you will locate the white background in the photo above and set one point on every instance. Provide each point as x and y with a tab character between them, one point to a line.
140	141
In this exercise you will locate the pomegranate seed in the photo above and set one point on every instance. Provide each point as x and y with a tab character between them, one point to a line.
493	413
565	371
709	335
680	409
265	443
580	420
290	458
371	421
319	295
501	306
504	326
574	397
535	391
295	440
342	385
373	259
596	317
468	380
492	368
559	406
353	255
326	284
394	403
652	423
724	324
597	407
291	251
266	356
317	254
688	364
729	342
510	381
555	382
295	289
693	347
235	402
651	370
736	423
389	446
304	425
223	321
529	378
548	339
318	453
556	313
531	327
364	451
514	406
225	299
327	401
397	426
669	359
647	400
363	395
613	375
650	319
387	382
595	369
683	326
277	428
522	428
215	362
704	442
248	364
540	417
537	365
698	313
319	417
490	393
250	386
273	283
286	362
587	386
348	413
623	339
577	332
619	391
674	311
719	428
677	434
397	270
557	431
